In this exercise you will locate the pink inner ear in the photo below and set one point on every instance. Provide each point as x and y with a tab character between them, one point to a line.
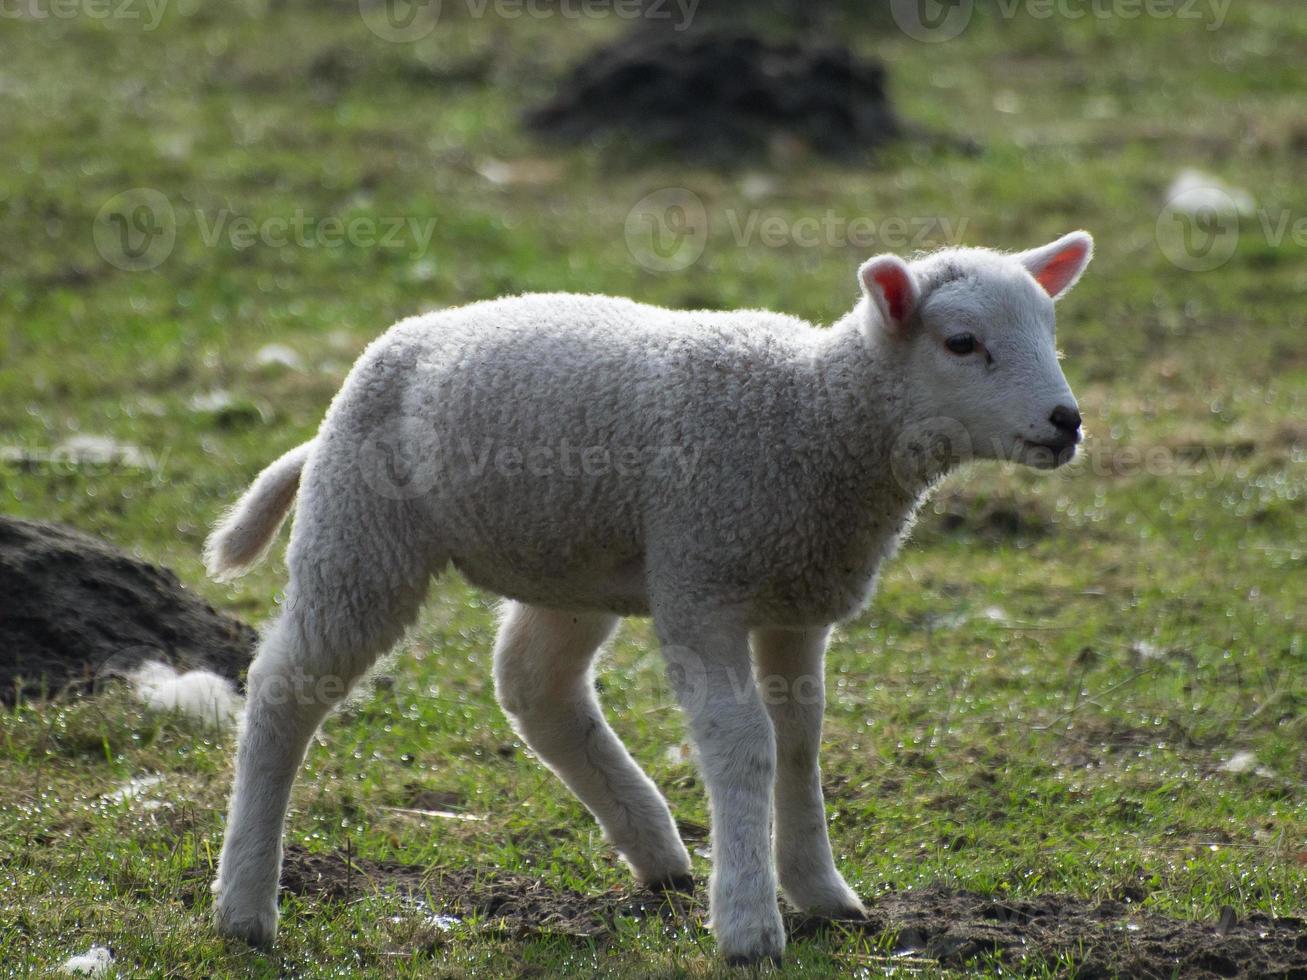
1062	268
893	282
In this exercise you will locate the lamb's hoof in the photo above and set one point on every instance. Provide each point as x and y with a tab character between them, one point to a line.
750	937
249	924
675	883
829	898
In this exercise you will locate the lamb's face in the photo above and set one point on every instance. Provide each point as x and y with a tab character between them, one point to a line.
974	330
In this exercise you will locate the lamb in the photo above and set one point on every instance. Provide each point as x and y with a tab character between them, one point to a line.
740	477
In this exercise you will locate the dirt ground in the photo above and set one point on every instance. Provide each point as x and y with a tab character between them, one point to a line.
1107	939
76	611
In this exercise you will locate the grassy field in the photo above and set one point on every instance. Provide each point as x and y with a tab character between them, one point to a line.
1047	690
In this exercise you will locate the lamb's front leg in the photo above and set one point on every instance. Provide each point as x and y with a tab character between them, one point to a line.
709	667
792	679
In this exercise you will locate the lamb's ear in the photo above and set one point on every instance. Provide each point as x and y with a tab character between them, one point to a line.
890	284
1058	265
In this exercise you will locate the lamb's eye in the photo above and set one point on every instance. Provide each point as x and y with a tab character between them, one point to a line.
961	343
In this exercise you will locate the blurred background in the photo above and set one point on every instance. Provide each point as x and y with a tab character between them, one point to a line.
208	210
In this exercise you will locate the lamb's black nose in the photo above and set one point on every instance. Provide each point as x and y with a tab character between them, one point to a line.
1066	419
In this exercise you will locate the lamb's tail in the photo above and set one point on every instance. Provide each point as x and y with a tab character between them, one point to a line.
247	529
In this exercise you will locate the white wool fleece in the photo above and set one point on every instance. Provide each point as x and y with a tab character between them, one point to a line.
740	476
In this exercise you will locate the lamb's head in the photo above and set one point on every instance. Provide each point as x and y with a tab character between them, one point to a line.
971	334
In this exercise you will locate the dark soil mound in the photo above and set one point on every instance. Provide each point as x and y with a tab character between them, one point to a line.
74	609
1108	939
721	96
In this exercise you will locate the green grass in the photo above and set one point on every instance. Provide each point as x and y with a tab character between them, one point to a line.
995	722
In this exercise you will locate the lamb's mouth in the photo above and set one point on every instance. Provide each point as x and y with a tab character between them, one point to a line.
1049	455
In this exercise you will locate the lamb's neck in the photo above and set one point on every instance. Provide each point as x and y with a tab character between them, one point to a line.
871	414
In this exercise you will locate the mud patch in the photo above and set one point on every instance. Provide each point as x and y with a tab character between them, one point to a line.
721	95
77	610
1103	940
1106	939
518	904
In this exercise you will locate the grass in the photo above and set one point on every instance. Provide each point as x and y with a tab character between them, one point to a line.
1040	698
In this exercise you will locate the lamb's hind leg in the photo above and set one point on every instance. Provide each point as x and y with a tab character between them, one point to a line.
337	620
542	676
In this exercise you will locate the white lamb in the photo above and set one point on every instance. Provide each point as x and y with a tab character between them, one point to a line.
738	476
